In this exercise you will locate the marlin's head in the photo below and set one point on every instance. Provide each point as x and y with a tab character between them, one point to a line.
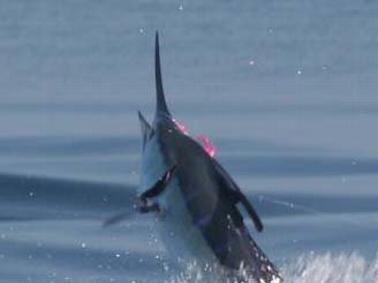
162	113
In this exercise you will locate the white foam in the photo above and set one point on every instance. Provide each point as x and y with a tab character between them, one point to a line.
332	268
308	268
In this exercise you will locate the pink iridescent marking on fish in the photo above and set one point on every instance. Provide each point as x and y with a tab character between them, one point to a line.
207	145
182	127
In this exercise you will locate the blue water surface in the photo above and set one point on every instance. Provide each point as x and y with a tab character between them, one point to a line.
287	91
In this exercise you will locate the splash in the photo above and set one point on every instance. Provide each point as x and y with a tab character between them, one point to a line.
206	143
332	268
308	268
195	272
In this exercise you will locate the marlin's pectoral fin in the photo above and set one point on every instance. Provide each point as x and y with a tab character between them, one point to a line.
238	197
143	203
160	185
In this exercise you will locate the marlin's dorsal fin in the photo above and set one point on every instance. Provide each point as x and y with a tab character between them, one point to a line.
232	190
147	130
161	105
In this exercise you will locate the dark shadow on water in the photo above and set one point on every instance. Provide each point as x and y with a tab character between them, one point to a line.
27	197
300	203
37	146
300	166
63	146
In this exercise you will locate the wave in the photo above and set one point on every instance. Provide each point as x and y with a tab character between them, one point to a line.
67	211
26	197
83	197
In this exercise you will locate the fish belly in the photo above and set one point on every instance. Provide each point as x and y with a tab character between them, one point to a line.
182	240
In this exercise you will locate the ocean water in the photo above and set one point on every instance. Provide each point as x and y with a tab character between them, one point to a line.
286	90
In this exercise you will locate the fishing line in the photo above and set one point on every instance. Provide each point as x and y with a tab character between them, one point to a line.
310	210
291	205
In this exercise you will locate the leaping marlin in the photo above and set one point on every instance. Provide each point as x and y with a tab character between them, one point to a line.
197	195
